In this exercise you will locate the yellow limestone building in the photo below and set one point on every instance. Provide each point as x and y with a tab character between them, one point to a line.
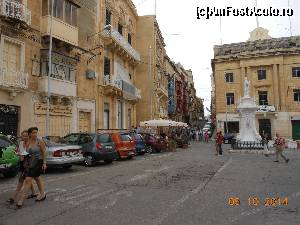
117	92
273	67
152	75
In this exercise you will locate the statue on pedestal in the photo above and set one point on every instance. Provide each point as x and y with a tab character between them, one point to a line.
246	87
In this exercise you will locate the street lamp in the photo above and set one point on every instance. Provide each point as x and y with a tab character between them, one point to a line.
49	73
226	116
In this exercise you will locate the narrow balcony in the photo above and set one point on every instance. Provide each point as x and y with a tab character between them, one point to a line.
57	86
15	10
60	30
112	86
114	39
120	88
161	89
13	80
130	92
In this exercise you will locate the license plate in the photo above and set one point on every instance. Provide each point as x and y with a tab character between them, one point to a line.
109	147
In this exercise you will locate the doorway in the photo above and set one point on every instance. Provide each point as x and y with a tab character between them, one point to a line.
296	129
265	127
9	119
84	122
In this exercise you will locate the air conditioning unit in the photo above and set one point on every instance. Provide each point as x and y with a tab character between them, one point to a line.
90	74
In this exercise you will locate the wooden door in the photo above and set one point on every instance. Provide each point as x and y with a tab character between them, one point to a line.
84	122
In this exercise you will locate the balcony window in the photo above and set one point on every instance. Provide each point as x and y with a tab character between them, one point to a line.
108	16
230	98
297	95
263	97
129	39
261	74
120	28
296	71
12	64
106	66
229	77
62	67
62	9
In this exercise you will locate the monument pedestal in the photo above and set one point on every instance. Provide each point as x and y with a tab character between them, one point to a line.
248	133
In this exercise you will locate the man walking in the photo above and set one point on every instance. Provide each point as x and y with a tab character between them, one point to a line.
219	142
280	144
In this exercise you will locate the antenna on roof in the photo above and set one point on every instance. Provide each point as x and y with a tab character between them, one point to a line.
221	40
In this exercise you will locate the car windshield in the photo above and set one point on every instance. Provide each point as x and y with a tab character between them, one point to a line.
125	137
104	138
4	142
72	138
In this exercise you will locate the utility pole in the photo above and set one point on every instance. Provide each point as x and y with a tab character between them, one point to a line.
291	34
155	8
49	73
221	38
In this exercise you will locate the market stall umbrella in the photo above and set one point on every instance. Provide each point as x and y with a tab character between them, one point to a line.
157	123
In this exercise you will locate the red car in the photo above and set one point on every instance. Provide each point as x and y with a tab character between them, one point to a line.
125	145
155	143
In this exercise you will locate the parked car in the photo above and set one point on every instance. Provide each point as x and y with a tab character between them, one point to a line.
95	146
9	160
155	143
125	144
62	155
228	137
140	147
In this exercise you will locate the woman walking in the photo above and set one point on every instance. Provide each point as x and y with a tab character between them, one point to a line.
37	152
206	136
22	152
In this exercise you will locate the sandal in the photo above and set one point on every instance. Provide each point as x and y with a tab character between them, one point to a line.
10	200
19	206
32	196
41	199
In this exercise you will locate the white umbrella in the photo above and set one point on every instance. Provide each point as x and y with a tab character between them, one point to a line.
157	123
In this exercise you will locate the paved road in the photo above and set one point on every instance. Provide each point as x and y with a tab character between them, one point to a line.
188	187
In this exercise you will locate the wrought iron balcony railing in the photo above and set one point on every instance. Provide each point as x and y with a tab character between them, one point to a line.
16	10
13	79
109	32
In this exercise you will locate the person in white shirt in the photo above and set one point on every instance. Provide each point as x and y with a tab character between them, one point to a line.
22	152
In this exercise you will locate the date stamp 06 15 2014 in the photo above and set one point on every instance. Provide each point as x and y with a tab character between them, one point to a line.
256	201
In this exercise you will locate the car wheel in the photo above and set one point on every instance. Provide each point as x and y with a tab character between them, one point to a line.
66	167
11	173
89	160
108	161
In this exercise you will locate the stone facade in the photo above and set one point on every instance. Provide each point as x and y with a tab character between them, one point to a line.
272	67
101	74
151	74
117	91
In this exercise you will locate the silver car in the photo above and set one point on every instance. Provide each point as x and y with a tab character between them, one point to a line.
63	155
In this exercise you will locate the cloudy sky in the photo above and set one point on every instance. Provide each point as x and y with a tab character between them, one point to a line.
190	41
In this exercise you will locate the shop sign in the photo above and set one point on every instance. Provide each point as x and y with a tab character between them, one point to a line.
55	110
